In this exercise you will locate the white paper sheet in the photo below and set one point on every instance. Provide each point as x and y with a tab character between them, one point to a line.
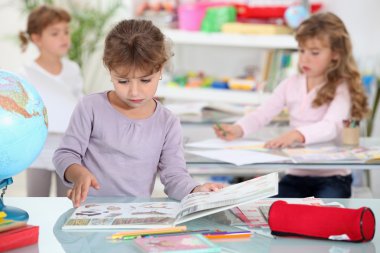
238	157
222	144
186	108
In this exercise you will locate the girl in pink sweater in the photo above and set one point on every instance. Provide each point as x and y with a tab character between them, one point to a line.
327	91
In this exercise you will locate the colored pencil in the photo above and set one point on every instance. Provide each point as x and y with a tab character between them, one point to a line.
120	235
228	236
224	132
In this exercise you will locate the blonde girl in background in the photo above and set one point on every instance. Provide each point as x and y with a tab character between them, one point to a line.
327	91
58	80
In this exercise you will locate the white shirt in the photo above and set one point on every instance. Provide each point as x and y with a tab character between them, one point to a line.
60	93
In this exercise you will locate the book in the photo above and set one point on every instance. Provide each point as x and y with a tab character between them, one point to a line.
177	243
170	213
18	237
334	153
367	155
320	154
260	29
197	108
8	224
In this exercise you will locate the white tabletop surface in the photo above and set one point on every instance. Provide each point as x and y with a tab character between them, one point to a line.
48	212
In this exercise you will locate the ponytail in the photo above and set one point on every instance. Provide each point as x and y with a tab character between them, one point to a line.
24	39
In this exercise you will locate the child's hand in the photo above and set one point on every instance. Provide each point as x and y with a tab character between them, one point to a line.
83	179
286	140
208	187
228	132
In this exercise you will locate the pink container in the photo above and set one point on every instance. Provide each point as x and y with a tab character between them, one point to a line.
190	16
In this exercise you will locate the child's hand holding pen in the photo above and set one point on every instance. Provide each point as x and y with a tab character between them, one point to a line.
228	132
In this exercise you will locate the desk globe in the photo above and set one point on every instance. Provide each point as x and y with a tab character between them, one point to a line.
23	131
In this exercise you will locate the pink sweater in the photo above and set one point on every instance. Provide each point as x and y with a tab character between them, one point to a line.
317	124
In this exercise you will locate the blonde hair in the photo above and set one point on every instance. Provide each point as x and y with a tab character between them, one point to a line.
136	44
40	18
329	28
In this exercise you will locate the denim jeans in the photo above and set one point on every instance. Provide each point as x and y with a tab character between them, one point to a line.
320	187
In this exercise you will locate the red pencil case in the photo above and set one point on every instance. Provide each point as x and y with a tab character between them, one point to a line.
322	222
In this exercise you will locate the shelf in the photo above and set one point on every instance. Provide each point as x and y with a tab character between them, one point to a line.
235	40
212	95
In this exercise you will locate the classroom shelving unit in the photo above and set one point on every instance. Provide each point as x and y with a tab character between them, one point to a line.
181	38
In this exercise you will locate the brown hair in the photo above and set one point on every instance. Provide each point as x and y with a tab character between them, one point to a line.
136	44
329	28
40	18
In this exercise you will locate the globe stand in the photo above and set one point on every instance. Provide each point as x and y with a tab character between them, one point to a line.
13	213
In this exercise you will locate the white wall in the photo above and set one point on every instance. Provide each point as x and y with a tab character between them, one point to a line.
361	18
11	58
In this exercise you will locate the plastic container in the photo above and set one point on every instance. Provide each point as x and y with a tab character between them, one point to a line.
351	136
190	15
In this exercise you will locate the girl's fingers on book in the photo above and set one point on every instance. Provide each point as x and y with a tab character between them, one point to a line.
77	195
95	184
219	185
69	193
84	192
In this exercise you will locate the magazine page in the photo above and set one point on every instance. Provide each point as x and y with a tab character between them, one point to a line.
368	155
123	215
253	215
321	154
204	203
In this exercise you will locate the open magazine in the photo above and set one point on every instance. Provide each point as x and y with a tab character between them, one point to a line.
167	214
255	215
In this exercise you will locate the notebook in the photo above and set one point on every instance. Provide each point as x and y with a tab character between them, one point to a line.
177	243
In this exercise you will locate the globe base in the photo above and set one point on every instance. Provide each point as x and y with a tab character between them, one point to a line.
14	213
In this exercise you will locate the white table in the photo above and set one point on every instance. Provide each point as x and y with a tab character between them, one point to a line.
45	212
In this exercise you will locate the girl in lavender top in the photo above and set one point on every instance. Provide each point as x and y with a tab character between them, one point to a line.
117	141
327	91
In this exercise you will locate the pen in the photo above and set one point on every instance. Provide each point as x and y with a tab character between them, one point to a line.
120	235
224	132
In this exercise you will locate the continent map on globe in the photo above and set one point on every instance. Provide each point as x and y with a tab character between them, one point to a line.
23	124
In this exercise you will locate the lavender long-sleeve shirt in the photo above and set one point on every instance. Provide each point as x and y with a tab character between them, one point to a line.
317	124
125	154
